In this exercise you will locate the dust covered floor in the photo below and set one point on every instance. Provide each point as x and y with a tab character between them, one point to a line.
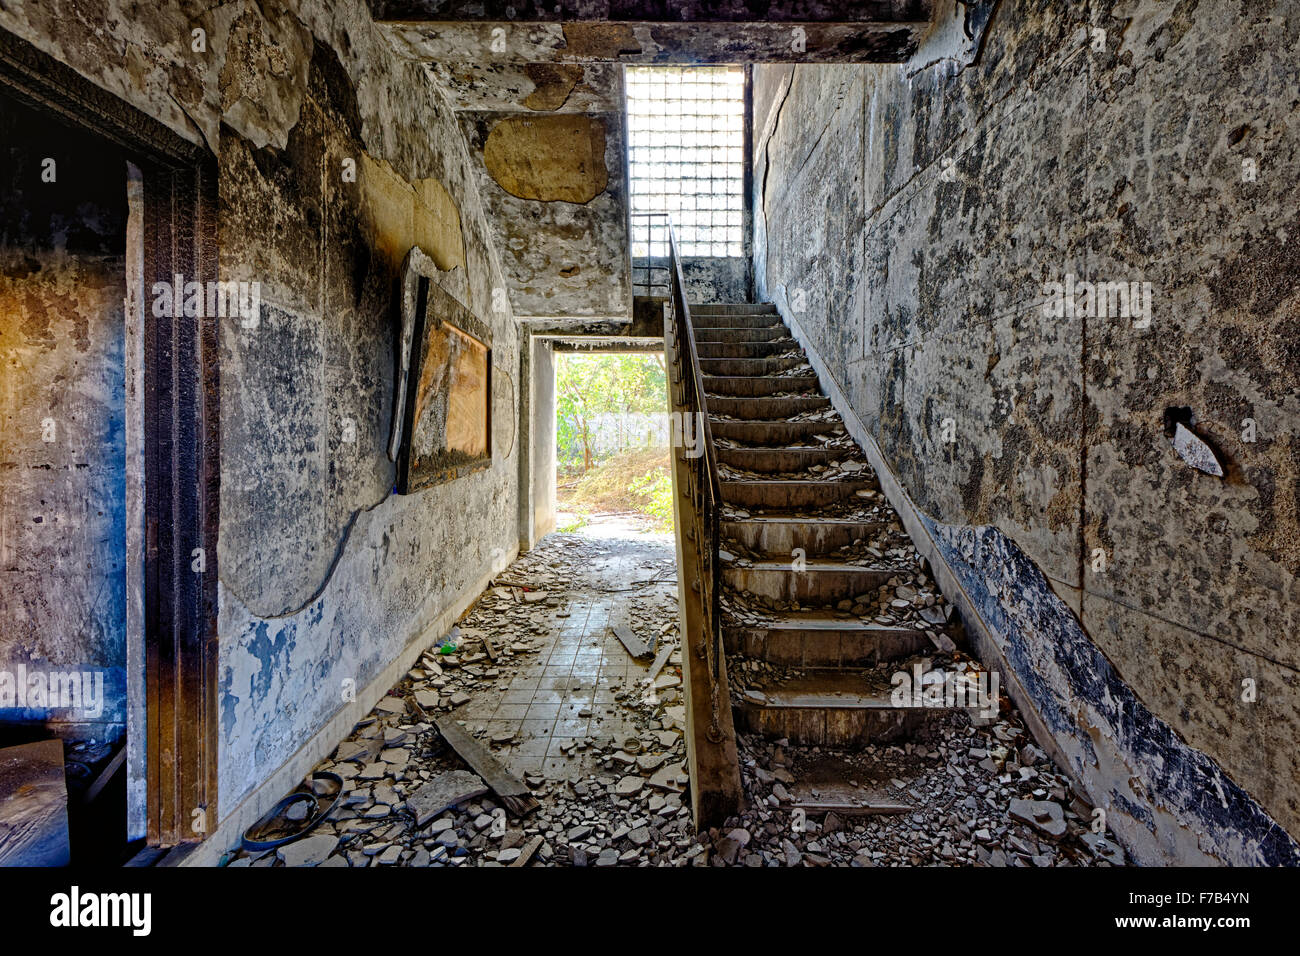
564	706
567	708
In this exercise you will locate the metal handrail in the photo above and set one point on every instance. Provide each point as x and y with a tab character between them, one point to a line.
650	269
678	299
703	487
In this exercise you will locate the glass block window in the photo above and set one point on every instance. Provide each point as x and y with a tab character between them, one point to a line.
686	140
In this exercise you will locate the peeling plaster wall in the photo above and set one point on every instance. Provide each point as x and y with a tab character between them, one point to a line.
701	39
335	157
716	278
550	87
547	142
908	223
563	257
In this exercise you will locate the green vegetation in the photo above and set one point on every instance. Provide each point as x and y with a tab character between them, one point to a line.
635	480
609	457
576	524
594	394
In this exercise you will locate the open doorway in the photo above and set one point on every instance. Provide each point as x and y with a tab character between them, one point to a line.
109	455
611	442
63	451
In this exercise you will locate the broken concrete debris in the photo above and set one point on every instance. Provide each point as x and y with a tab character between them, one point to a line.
611	788
446	790
1196	451
635	646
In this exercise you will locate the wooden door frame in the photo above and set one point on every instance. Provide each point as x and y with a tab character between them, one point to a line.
181	404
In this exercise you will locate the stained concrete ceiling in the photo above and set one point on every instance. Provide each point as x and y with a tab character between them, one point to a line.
538	91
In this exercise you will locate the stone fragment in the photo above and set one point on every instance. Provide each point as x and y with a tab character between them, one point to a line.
309	851
629	786
1195	451
1045	816
446	790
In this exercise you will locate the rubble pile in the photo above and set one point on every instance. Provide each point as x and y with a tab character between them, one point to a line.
908	598
955	794
849	469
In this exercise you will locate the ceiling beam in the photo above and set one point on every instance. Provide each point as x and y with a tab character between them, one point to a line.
656	43
654	11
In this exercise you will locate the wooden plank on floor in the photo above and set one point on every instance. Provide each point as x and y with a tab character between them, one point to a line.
34	805
531	847
512	791
635	646
660	660
820	796
813	807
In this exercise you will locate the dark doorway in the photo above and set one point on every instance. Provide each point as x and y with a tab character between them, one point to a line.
110	453
63	627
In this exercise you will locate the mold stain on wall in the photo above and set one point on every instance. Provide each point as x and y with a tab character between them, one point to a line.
918	216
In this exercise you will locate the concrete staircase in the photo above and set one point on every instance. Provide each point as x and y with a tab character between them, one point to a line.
812	554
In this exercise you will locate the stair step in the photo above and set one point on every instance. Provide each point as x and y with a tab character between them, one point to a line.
753	386
775	433
827	782
732	308
742	350
791	494
801	639
781	535
827	709
818	581
751	366
840	700
767	333
765	408
778	459
708	323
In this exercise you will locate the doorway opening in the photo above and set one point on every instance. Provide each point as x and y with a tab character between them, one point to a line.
108	511
63	451
612	436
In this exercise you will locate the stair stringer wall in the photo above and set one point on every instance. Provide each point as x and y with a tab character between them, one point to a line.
1167	802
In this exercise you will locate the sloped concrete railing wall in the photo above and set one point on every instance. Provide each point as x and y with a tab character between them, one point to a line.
1168	803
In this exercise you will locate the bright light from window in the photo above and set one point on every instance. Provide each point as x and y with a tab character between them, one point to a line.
686	140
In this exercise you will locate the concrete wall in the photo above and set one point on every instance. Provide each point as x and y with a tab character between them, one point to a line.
335	157
548	147
717	279
63	224
553	184
709	279
908	223
543	408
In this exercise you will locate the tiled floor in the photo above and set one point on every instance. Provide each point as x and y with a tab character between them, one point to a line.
565	696
539	668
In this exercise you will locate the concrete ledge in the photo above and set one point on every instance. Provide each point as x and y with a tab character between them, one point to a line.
1166	802
233	823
